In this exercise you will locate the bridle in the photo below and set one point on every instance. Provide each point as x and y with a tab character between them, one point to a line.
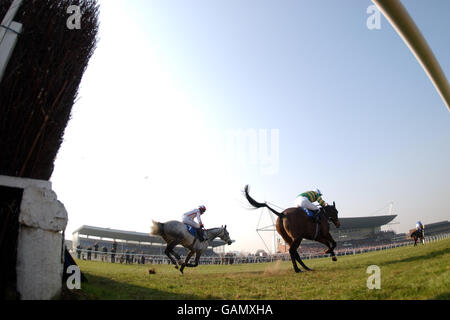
216	235
326	215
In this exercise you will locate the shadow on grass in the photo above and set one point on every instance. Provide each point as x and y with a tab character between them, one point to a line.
442	296
101	288
430	255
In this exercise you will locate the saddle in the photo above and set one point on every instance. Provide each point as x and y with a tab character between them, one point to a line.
315	217
194	232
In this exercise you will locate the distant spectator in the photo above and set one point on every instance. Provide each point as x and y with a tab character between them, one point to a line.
79	251
113	255
89	252
95	250
105	254
127	256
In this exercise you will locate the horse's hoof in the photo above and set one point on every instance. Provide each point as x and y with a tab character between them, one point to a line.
334	259
176	267
298	271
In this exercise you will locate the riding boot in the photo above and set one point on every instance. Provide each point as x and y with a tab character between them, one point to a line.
313	215
200	234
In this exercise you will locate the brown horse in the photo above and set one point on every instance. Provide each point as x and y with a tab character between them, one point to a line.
416	235
294	225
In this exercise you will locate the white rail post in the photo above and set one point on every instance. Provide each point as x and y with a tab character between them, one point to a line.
9	30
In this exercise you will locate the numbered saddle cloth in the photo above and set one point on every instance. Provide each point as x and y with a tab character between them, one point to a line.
191	230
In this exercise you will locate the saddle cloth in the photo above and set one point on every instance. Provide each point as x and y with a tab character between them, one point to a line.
191	230
309	213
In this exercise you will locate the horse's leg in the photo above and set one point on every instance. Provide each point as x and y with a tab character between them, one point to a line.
293	252
297	257
185	263
169	251
293	246
330	243
180	261
197	259
333	246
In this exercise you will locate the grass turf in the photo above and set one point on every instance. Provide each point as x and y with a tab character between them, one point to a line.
421	272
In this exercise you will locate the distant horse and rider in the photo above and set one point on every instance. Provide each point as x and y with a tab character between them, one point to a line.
418	233
181	233
294	224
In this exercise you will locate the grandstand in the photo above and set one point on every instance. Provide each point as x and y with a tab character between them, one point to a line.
361	228
128	241
437	228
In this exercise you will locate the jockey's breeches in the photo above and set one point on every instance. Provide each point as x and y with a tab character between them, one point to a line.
305	203
191	222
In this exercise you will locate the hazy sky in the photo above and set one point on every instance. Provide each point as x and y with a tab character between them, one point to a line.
174	88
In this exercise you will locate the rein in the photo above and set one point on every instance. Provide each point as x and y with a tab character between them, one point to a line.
327	217
220	231
323	212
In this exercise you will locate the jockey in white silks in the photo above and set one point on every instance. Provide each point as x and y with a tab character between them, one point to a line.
419	226
188	218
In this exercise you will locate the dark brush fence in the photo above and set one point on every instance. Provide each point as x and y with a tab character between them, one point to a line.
37	92
10	199
41	82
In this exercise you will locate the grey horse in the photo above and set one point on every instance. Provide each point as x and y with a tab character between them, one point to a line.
175	233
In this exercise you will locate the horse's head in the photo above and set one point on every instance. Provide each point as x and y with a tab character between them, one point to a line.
224	235
332	214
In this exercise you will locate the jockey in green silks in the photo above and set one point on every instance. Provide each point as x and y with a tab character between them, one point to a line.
305	200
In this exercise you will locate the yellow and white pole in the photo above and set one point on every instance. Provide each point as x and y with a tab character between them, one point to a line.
9	30
402	22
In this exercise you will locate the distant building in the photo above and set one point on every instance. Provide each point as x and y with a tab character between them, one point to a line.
360	227
436	228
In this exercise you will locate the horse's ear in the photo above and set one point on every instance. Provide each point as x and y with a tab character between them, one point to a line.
334	204
225	227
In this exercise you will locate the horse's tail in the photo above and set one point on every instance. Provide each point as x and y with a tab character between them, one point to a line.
157	228
256	204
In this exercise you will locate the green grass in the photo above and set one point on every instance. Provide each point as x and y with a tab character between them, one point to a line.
421	272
